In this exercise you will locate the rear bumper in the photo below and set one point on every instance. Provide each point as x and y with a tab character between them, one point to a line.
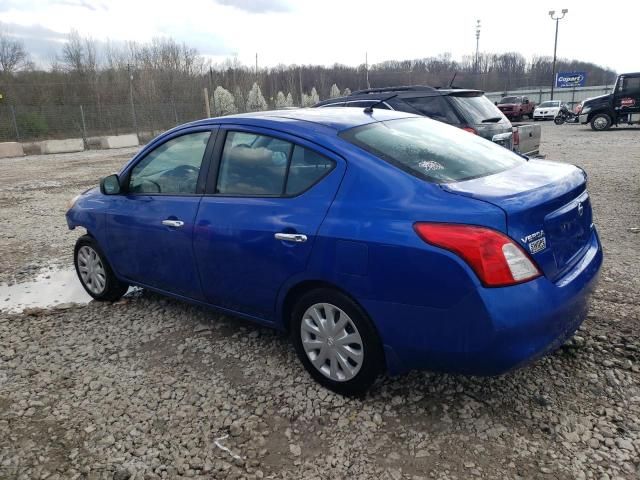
496	331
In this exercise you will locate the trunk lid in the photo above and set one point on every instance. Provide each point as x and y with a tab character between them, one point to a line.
547	207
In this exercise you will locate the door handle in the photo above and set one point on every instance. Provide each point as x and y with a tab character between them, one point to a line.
173	223
291	237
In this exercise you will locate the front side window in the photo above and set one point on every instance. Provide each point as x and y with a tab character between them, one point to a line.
171	168
431	150
630	85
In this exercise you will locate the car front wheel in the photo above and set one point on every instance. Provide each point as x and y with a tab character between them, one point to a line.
94	271
336	342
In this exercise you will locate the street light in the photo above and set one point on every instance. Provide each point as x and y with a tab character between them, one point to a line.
552	14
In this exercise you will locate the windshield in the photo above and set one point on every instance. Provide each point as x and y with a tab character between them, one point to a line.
550	104
509	100
431	150
477	108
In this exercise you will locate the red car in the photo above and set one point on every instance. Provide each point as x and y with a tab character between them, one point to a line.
514	108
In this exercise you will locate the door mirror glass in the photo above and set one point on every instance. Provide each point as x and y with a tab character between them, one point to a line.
110	185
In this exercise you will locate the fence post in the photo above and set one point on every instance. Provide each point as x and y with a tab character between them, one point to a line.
15	122
133	107
84	129
207	107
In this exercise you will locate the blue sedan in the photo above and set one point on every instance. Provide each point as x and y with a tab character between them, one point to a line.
380	240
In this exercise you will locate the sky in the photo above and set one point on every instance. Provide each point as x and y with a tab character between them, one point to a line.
333	31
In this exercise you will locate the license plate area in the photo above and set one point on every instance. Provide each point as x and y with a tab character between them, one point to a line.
568	229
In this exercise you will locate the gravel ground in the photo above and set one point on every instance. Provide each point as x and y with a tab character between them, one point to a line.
153	388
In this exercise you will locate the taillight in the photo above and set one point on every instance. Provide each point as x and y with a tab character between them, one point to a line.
516	136
470	130
495	258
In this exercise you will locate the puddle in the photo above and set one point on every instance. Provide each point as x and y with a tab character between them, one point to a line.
49	288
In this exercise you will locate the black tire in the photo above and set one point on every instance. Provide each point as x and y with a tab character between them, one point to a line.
372	363
113	288
559	120
600	122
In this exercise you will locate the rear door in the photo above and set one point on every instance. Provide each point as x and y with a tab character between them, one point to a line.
267	195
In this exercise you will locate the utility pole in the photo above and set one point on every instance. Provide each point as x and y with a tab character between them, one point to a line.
366	67
477	46
256	64
555	46
133	108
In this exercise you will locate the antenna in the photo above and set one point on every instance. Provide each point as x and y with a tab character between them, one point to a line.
369	109
452	79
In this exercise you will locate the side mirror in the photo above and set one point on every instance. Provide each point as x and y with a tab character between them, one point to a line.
526	100
110	185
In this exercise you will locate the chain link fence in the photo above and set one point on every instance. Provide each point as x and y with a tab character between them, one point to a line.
34	123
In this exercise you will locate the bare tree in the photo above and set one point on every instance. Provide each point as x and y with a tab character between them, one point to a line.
13	55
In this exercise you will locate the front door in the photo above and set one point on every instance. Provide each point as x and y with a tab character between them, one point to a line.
257	225
627	95
150	227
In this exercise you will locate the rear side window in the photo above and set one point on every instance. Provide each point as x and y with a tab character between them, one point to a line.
307	168
431	150
253	164
260	165
433	107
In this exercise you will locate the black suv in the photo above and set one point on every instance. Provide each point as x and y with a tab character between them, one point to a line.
467	109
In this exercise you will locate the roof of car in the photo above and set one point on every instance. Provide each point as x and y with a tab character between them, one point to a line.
399	92
336	119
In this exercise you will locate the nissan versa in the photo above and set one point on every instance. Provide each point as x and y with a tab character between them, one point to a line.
378	239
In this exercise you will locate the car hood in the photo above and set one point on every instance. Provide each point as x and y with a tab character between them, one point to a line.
508	105
595	100
547	108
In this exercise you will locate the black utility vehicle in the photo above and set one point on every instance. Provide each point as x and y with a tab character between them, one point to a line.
467	109
617	108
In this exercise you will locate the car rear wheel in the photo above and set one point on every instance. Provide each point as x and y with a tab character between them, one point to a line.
600	122
94	271
336	342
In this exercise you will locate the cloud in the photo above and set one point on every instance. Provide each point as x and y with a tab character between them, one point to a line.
257	6
41	42
93	6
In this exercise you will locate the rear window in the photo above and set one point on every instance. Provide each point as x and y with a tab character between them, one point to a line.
433	107
431	150
478	108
